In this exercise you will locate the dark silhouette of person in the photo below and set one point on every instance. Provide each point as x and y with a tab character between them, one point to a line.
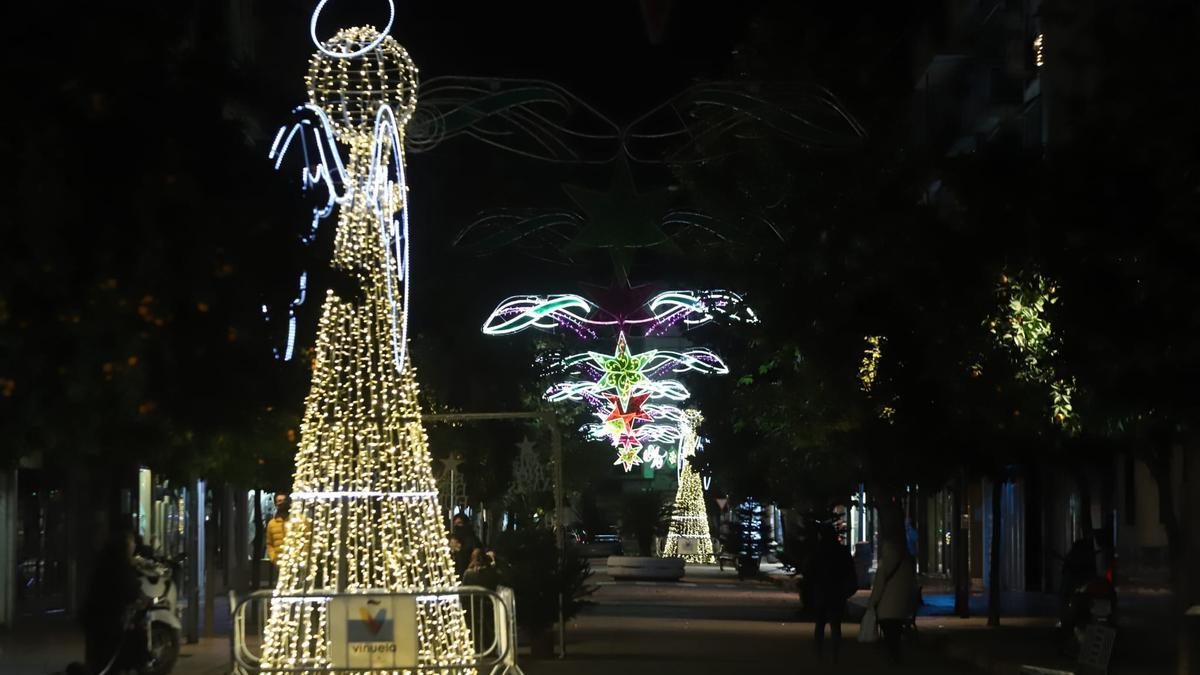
456	554
462	530
1079	566
831	580
114	593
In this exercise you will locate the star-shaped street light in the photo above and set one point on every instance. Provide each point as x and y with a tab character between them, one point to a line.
620	217
622	370
627	456
628	414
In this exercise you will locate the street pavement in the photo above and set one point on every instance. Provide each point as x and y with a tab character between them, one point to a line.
711	623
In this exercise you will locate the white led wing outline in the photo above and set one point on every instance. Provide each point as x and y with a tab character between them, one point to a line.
699	360
659	433
291	338
547	312
578	391
519	312
394	235
376	188
696	308
664	412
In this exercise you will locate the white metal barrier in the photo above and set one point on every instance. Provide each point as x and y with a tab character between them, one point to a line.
489	615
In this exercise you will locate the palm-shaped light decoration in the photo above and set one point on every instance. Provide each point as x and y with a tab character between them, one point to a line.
633	395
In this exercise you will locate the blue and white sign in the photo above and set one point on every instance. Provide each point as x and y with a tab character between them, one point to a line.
374	631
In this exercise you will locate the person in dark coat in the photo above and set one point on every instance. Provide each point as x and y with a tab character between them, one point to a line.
456	555
461	528
115	591
831	580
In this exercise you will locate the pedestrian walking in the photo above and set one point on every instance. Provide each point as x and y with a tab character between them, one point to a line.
831	580
277	531
894	593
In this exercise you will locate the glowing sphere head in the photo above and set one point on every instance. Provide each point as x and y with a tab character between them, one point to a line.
351	90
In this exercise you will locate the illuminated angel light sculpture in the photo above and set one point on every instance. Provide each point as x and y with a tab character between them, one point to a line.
688	536
626	390
365	511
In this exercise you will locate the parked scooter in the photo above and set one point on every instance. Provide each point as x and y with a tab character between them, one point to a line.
1088	598
1092	602
160	620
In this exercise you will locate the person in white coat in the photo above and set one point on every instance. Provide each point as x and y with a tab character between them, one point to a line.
893	594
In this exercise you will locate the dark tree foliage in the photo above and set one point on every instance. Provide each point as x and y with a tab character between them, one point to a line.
865	247
143	237
529	563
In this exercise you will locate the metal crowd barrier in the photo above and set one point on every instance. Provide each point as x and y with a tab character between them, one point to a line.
490	616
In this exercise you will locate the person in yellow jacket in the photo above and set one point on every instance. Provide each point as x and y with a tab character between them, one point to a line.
277	528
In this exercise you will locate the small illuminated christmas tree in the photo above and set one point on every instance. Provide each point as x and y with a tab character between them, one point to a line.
365	515
688	536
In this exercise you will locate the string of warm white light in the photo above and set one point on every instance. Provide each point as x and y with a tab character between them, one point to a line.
365	517
690	519
341	494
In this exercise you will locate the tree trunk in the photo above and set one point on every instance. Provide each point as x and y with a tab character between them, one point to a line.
962	581
920	520
994	569
1189	636
1084	484
1159	463
1108	489
1187	588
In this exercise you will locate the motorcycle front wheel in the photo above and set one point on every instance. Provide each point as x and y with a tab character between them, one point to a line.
164	650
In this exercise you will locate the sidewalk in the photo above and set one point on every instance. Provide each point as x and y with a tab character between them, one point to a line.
53	644
1027	635
939	601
